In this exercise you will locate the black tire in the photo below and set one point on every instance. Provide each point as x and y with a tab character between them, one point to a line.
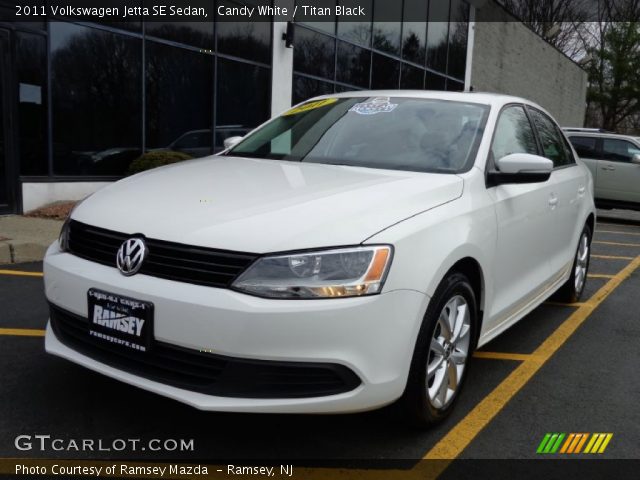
568	292
415	405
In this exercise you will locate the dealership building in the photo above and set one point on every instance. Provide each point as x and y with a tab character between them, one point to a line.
80	101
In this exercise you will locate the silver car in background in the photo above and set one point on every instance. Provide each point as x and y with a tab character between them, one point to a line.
614	161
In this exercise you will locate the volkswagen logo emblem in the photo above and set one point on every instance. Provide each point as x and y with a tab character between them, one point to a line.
130	256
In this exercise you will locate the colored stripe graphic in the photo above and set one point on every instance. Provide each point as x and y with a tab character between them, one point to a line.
543	443
555	443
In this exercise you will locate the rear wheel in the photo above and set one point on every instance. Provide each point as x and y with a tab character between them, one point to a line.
572	290
441	357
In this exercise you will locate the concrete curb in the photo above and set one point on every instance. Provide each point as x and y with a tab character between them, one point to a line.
28	252
5	253
21	252
25	239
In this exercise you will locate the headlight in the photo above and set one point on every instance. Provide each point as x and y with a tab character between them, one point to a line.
63	238
345	272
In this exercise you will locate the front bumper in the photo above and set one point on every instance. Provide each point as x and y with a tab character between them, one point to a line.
371	336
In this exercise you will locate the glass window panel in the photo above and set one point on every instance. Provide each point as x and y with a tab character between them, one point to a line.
4	180
357	32
353	65
387	26
31	68
328	24
458	33
437	35
240	105
344	88
197	34
552	140
179	107
386	72
514	134
305	88
414	34
434	82
248	40
314	53
619	150
96	100
129	24
8	14
412	77
586	147
454	86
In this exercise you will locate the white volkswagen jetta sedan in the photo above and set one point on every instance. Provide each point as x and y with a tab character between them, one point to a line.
350	253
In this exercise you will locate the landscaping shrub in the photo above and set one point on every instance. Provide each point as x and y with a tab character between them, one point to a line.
155	159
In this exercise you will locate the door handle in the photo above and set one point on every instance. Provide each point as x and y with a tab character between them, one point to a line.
581	191
553	201
609	168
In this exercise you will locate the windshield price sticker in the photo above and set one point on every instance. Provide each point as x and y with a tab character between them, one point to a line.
310	106
373	106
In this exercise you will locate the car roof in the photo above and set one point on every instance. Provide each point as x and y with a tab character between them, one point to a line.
585	129
601	135
492	99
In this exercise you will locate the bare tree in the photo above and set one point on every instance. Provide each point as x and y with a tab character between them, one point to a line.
603	36
560	22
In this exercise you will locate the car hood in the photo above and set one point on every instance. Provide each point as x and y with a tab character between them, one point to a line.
264	206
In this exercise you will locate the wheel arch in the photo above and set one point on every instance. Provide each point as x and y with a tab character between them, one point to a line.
591	222
471	268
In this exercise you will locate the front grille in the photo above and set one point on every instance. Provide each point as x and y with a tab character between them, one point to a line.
205	372
173	261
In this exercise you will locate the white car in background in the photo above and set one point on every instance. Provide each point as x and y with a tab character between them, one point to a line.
350	253
614	161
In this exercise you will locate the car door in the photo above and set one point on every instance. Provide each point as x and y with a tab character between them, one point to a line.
524	218
569	189
619	179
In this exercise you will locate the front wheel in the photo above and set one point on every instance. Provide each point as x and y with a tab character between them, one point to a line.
572	290
444	346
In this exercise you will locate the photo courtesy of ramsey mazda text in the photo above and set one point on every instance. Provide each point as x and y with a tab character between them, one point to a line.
347	254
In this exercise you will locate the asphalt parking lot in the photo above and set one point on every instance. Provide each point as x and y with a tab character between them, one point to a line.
564	368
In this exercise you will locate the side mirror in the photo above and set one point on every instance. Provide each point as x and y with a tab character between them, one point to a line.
636	159
231	142
521	168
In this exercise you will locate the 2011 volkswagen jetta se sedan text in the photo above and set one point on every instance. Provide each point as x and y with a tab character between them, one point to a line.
351	252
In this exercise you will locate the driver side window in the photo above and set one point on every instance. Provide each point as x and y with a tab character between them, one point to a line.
514	134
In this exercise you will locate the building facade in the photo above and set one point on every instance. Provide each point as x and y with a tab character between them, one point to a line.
81	101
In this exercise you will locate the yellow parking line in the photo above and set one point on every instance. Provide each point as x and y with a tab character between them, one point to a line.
611	257
20	273
617	225
518	357
22	332
462	434
619	232
617	244
560	304
599	275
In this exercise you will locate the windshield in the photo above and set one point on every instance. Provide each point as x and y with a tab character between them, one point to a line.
420	135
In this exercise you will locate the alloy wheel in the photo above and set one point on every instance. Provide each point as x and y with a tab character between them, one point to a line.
581	265
448	352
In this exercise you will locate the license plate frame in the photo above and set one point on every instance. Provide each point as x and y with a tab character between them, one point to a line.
119	321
